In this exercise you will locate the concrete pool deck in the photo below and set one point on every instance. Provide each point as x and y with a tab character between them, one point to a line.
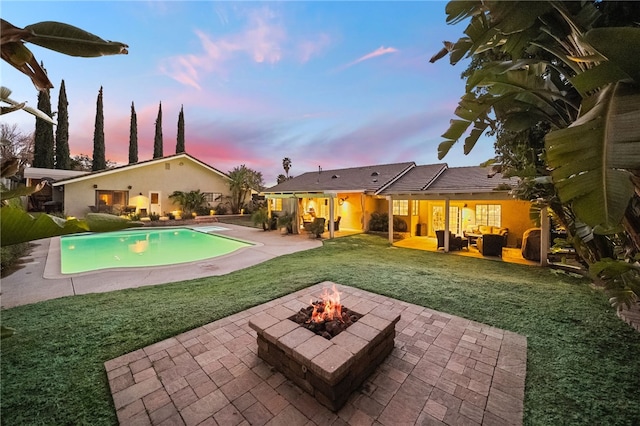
40	278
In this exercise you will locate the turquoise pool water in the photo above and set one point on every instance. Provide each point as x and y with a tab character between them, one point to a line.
139	248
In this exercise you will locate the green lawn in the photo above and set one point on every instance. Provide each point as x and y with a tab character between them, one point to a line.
583	362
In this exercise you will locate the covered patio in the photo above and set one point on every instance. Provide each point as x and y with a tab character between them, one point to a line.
509	254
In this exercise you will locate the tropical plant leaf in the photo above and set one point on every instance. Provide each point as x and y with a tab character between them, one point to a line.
474	135
596	77
6	332
4	97
21	191
18	226
621	46
458	11
444	148
592	159
73	41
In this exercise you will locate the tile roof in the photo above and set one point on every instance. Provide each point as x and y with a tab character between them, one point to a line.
416	179
367	178
469	179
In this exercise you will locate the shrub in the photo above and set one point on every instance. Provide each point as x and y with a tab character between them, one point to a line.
221	209
154	217
10	255
379	222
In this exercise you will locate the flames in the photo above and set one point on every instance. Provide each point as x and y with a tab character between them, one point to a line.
328	308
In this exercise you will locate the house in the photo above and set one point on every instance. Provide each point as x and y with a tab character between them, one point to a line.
350	194
46	199
143	187
427	198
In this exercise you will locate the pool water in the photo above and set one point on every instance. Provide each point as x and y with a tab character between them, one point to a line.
139	248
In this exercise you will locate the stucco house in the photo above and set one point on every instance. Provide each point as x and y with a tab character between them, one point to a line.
143	187
427	197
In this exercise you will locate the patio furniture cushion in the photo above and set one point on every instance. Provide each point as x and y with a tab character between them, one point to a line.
490	244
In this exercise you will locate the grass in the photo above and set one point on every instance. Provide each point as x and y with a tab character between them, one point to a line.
583	366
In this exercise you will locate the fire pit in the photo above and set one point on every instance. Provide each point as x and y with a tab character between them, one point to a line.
326	349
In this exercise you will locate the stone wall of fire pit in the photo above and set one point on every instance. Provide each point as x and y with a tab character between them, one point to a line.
330	370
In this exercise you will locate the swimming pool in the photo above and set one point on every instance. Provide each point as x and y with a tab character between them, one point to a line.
140	248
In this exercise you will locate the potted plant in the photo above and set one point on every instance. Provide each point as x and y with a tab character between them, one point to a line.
261	217
285	223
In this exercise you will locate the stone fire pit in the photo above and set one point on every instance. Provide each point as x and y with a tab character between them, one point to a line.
330	370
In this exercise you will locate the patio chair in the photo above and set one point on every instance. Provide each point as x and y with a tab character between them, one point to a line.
490	244
455	243
336	224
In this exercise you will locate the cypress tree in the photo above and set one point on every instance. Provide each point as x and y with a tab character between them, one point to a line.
99	158
180	144
133	136
43	138
157	141
63	158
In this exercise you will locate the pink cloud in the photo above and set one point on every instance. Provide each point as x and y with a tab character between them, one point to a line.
380	51
262	41
310	48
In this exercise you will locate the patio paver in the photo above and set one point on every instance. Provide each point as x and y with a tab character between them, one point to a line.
443	370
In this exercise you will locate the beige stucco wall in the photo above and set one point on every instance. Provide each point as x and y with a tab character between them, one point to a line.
174	174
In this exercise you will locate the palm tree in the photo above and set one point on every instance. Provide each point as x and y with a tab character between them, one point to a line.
190	201
286	165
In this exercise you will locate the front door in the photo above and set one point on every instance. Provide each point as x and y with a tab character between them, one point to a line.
154	203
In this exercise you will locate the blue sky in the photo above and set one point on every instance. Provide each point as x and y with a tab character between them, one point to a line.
330	84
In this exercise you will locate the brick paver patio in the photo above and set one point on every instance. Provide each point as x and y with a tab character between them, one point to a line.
443	370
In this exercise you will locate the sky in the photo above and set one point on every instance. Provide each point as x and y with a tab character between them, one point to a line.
328	84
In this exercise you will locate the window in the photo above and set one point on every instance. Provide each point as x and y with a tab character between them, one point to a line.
276	204
401	207
212	197
488	214
110	198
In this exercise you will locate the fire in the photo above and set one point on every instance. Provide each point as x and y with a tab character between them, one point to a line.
329	308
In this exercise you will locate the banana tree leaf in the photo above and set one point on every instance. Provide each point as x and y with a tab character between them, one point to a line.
620	45
72	41
460	49
471	140
21	191
4	97
6	332
18	226
444	148
457	11
592	159
515	17
600	75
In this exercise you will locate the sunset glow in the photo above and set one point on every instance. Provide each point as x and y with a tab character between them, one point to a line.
330	84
